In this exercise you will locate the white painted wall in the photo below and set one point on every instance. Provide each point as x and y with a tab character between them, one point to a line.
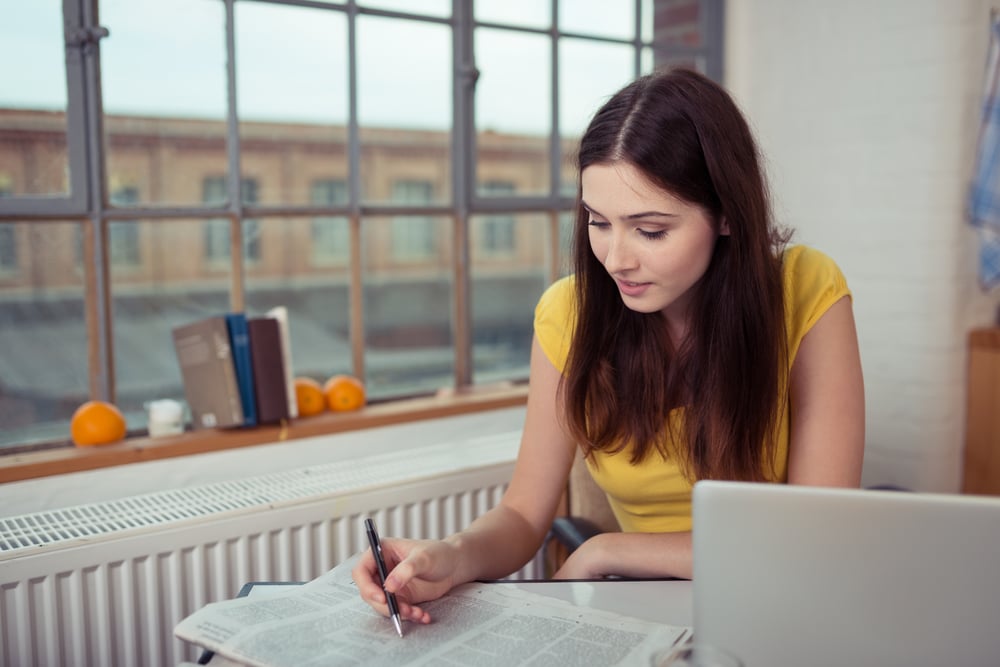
867	113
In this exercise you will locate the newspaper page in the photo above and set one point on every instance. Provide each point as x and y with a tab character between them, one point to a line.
325	622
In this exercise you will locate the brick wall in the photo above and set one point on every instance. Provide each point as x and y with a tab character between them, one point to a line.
867	114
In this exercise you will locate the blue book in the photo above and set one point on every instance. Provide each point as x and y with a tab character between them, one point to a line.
239	341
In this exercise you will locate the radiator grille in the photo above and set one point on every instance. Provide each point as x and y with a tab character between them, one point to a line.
105	584
214	500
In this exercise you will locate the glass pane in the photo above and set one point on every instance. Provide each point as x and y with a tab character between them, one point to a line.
163	78
317	296
678	24
509	254
159	280
438	8
43	369
646	14
598	17
646	61
566	222
589	73
404	105
513	109
526	13
329	236
33	99
408	305
293	101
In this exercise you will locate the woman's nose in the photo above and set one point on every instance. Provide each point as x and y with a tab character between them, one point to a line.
620	256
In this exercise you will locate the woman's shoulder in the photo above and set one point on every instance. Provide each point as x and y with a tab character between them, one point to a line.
557	297
804	266
813	282
554	320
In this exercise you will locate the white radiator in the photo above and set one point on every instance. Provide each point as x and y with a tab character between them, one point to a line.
104	584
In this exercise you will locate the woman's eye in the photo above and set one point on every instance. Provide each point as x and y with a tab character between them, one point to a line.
597	223
653	236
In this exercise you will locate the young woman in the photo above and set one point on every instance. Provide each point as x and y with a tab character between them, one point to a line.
689	344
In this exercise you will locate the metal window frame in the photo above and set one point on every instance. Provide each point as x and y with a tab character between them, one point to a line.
86	200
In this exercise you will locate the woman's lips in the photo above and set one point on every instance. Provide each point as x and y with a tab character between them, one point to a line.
629	288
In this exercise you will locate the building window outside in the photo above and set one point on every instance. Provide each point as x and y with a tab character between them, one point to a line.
8	235
216	239
331	243
123	236
8	248
498	232
413	236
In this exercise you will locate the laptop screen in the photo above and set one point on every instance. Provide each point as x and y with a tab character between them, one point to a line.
794	575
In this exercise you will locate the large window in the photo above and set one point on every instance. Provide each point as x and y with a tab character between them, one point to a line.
407	206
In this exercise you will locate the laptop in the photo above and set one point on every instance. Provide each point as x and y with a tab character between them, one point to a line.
805	576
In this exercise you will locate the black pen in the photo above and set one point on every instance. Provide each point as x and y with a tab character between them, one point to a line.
383	573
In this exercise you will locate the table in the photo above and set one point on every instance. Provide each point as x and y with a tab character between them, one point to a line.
661	601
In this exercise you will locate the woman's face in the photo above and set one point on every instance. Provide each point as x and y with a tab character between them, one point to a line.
654	245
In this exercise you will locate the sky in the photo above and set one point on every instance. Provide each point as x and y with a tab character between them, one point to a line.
168	59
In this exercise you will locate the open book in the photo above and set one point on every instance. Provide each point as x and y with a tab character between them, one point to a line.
325	622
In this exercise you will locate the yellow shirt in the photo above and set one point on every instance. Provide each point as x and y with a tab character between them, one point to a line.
654	495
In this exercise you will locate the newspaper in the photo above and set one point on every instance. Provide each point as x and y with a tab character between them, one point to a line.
325	622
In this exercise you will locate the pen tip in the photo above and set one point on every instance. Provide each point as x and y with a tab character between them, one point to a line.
399	628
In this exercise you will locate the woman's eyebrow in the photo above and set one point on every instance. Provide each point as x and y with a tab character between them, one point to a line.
634	216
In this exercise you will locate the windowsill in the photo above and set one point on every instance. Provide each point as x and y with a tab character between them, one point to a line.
73	459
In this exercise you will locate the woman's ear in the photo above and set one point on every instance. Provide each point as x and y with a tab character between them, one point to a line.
723	227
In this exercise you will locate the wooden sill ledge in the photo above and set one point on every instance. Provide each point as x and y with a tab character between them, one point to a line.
447	403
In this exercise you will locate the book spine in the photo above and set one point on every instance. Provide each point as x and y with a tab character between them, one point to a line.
268	370
280	313
225	352
239	340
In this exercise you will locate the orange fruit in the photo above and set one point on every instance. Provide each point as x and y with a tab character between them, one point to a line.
344	393
96	423
309	397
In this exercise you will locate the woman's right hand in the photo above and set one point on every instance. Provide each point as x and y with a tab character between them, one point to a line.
419	571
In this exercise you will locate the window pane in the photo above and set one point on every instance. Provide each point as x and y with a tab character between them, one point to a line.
163	78
43	369
408	306
173	284
647	11
293	101
33	100
329	235
411	93
526	13
566	221
317	297
589	74
513	109
506	285
438	8
598	17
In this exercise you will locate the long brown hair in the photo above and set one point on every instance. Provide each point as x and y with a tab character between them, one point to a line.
624	375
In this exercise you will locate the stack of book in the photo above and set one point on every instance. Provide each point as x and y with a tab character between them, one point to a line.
237	370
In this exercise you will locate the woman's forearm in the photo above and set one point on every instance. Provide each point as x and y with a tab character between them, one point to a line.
496	544
638	555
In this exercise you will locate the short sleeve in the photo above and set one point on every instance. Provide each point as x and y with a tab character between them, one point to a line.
813	283
554	321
